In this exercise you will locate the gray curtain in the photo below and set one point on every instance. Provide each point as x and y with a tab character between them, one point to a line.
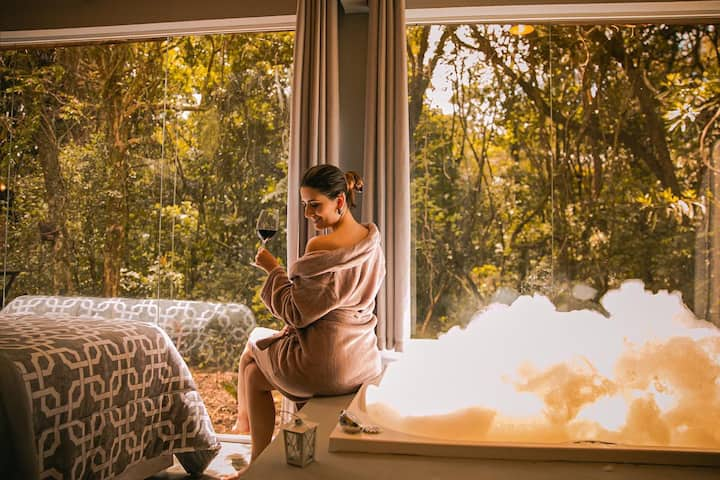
387	164
314	123
315	116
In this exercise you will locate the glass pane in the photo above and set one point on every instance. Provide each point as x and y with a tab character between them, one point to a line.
139	169
564	180
562	161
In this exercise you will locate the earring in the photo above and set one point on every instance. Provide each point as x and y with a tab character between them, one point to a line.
340	211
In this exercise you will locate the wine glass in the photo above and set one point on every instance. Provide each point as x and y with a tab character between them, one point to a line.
267	224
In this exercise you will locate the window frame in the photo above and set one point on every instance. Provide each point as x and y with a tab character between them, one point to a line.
700	11
145	31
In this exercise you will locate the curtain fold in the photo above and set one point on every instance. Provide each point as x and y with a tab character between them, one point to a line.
387	164
314	122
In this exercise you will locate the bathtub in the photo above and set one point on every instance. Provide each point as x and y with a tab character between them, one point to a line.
391	441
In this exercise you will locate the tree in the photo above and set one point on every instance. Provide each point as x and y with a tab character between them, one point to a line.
565	154
158	189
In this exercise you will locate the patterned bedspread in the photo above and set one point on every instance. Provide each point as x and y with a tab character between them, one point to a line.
90	397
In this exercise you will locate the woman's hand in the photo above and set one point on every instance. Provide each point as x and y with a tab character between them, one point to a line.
287	330
265	260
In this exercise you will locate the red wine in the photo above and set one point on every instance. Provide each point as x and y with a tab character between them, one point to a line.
266	235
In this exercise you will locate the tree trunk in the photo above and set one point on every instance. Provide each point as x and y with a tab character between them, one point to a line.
421	74
112	259
432	303
115	230
702	255
713	314
56	198
707	248
652	126
113	114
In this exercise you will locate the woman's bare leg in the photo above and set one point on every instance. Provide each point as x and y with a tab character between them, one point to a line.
261	411
242	424
261	408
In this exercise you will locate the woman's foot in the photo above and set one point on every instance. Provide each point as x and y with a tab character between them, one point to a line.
237	474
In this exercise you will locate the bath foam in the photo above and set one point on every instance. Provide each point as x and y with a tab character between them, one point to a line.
645	377
455	439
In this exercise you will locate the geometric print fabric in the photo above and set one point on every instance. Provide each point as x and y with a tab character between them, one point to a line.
104	394
206	333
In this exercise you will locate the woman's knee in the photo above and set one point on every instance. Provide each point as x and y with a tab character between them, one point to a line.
255	379
245	358
251	372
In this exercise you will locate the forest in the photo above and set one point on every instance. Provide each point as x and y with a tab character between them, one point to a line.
138	169
573	155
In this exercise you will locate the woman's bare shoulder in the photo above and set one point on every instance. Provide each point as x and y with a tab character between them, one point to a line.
335	240
323	242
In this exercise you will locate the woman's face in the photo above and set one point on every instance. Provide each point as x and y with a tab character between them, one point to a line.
319	208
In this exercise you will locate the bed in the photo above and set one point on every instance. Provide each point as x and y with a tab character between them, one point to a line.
96	398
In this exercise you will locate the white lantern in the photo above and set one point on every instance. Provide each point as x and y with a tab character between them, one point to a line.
299	442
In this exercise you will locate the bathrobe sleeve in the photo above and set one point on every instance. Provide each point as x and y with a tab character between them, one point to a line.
301	301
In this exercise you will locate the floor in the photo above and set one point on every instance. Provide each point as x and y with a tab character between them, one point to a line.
232	456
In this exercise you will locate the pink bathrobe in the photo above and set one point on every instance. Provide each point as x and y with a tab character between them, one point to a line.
329	300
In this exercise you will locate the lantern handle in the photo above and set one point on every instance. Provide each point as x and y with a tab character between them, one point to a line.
297	419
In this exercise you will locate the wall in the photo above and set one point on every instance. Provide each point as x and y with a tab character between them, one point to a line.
49	14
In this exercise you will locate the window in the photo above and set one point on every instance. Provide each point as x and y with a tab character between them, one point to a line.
138	169
561	161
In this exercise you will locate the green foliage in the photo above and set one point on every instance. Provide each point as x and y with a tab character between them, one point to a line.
230	388
545	170
182	174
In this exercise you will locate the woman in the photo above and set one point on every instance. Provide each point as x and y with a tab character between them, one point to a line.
328	345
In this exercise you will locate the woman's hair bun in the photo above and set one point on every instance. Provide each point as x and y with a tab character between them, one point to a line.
354	181
354	184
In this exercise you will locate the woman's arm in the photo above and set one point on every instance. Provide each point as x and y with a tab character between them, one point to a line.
301	302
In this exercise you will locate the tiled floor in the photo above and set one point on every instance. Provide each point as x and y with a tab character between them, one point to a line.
232	456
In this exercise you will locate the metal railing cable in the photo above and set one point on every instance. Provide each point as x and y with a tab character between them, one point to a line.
161	171
11	140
